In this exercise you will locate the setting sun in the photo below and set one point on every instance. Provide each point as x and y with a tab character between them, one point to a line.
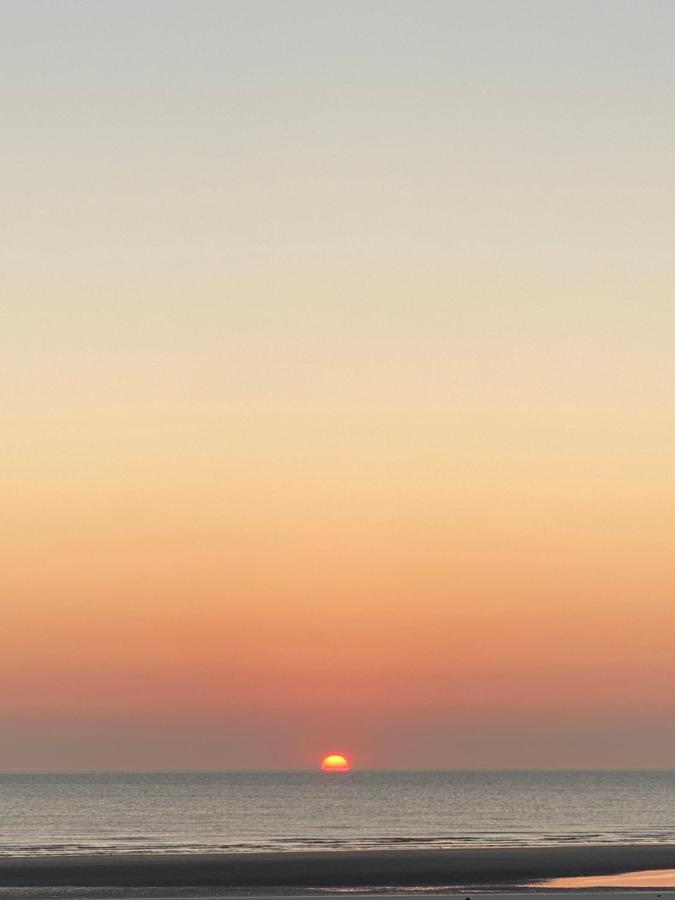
335	763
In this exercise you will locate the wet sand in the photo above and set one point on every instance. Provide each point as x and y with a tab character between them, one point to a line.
259	872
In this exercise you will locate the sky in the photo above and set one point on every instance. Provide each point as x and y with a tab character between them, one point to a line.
336	372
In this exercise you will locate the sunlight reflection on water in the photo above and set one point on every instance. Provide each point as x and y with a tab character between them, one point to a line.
652	878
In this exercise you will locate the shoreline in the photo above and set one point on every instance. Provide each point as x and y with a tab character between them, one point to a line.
378	869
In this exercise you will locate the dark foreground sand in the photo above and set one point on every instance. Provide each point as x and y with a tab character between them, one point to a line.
257	872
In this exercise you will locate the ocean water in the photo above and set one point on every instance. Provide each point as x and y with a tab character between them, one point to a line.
217	812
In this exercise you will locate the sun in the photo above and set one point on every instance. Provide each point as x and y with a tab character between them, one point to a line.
335	762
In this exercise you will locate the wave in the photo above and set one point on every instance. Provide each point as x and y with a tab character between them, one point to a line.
146	845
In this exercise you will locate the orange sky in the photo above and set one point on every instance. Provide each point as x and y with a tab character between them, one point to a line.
383	594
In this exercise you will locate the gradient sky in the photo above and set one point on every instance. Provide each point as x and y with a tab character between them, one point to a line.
337	372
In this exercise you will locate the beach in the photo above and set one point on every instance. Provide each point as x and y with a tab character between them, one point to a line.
256	873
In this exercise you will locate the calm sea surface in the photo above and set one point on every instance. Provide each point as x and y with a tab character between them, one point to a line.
246	811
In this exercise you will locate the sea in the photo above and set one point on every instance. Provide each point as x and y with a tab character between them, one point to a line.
221	812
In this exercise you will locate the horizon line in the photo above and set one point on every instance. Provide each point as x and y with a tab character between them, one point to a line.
317	770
